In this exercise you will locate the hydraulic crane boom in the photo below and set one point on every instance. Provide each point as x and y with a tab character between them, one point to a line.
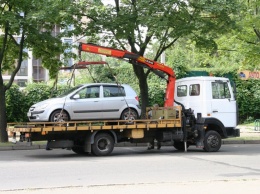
158	68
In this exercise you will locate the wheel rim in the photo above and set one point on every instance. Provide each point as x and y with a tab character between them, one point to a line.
213	141
60	117
129	115
103	144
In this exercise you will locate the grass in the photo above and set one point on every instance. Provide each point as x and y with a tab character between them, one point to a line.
243	138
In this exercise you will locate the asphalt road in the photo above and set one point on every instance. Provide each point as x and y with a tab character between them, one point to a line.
234	169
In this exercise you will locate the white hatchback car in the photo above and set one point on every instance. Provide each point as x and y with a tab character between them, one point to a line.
89	102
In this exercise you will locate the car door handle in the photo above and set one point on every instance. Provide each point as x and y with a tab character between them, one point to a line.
214	111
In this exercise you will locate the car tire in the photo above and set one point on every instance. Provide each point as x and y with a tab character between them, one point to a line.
129	114
59	116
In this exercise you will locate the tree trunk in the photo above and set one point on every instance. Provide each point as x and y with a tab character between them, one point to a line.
144	95
3	121
142	79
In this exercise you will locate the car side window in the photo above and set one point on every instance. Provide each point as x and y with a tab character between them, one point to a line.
220	90
113	91
194	90
89	92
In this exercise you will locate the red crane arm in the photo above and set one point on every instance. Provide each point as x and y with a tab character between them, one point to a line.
157	68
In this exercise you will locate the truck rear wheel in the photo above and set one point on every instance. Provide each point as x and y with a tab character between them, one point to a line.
212	141
103	144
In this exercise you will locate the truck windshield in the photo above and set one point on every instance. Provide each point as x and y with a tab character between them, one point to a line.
69	91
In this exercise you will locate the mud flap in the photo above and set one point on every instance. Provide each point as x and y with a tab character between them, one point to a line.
199	127
87	144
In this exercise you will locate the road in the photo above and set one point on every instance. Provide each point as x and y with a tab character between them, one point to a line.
235	168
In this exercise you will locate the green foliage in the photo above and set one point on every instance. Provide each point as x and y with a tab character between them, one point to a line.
178	59
15	105
248	98
156	90
19	101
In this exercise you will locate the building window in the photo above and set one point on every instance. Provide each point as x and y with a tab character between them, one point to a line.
21	82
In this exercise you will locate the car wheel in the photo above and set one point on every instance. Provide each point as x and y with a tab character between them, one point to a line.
59	116
129	114
103	144
212	141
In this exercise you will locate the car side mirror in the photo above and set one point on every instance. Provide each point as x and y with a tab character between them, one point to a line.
76	96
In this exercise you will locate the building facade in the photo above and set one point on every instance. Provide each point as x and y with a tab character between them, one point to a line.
32	70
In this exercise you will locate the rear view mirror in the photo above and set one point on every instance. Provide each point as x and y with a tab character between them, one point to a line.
76	96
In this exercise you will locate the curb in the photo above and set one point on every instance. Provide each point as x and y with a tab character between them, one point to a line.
25	146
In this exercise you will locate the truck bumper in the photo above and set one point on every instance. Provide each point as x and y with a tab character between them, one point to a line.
233	132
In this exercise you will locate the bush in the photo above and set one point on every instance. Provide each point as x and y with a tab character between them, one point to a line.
248	98
19	101
15	105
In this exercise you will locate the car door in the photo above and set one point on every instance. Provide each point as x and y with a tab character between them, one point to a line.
113	101
86	104
223	104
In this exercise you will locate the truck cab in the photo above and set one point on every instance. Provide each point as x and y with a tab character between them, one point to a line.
213	97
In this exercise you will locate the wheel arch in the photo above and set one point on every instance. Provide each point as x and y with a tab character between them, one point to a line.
216	125
110	132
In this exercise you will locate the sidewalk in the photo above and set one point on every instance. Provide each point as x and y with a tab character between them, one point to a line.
247	136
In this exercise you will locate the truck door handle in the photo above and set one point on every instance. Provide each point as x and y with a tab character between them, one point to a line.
215	111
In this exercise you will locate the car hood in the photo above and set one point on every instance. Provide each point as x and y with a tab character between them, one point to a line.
50	101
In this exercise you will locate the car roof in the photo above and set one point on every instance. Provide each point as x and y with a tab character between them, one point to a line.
106	84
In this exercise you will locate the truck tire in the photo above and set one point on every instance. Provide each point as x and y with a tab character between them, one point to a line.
103	144
59	116
212	141
179	145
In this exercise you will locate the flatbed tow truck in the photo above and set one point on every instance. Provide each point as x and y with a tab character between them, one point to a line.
176	124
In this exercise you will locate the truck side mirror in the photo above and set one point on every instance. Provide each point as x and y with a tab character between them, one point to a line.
233	85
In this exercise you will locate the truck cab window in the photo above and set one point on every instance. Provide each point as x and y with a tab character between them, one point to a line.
194	90
182	91
220	90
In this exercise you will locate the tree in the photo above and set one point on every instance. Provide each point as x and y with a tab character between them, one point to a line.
136	25
28	24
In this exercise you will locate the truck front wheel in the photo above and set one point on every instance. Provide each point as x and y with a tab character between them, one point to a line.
212	141
103	144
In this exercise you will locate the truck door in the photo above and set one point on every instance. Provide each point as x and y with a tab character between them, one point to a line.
223	104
